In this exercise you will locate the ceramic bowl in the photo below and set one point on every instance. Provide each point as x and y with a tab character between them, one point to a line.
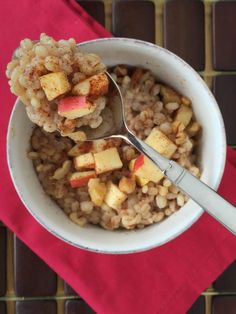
167	68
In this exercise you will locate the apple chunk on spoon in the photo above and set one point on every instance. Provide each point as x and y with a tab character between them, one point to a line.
73	107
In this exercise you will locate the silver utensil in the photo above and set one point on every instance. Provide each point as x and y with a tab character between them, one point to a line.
114	126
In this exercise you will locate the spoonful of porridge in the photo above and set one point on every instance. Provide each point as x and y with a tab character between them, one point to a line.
61	87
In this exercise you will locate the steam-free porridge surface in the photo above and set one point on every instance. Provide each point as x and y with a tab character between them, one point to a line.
152	109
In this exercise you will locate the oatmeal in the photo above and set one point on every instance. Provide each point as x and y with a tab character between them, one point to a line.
108	182
62	88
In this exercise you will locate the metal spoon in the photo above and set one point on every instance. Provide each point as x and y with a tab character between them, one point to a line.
114	126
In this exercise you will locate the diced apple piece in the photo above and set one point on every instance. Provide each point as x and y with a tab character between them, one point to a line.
98	146
145	170
74	151
81	148
86	147
85	161
107	160
184	115
161	143
73	107
79	179
127	185
169	95
98	85
94	86
140	181
54	84
114	196
97	191
78	136
82	88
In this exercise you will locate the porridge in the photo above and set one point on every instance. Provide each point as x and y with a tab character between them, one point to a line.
108	182
62	88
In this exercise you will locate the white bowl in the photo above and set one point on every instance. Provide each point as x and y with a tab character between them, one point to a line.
168	68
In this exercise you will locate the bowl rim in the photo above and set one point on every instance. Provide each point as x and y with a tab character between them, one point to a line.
173	235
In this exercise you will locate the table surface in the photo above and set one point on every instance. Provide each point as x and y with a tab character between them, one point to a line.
203	34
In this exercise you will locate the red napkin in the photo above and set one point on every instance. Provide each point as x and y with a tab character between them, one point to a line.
167	279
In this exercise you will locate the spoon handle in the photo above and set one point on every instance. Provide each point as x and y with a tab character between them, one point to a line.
201	193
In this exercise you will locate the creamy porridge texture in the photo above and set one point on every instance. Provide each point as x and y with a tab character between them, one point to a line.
109	183
104	182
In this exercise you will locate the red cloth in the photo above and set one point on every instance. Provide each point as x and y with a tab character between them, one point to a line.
164	280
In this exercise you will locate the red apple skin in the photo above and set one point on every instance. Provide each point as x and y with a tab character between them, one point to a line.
72	103
81	181
139	162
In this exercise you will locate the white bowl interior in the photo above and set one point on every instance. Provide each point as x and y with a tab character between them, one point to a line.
169	69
